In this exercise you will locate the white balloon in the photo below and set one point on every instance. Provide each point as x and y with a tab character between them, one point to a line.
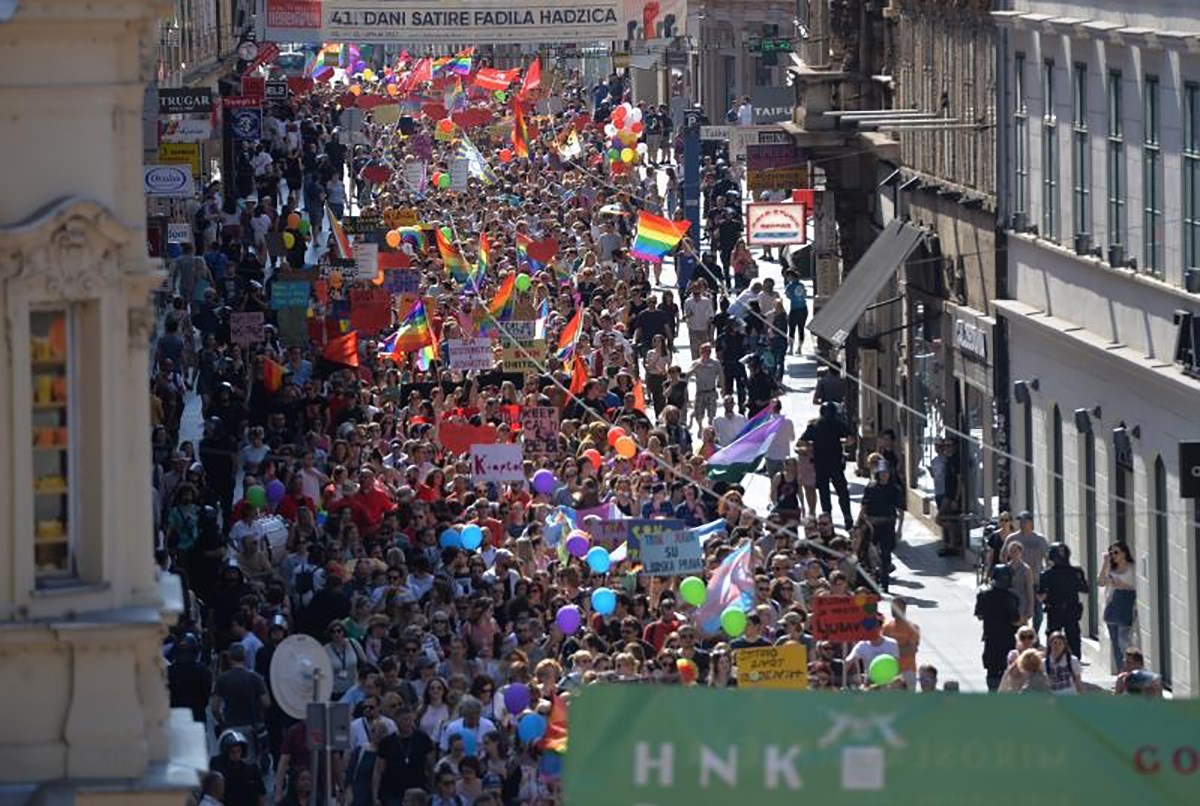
610	130
635	116
641	148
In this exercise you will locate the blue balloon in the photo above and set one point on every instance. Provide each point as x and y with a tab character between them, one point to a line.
472	537
470	745
451	539
604	601
598	560
531	727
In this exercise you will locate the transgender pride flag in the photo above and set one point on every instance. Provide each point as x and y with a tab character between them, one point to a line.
731	584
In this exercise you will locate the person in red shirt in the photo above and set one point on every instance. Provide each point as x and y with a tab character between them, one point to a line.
295	499
656	632
370	503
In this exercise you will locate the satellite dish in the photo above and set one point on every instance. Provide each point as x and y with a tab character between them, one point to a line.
293	666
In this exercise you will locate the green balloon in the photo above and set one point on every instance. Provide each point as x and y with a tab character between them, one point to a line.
500	95
733	621
883	670
693	591
614	155
524	283
305	227
257	496
443	181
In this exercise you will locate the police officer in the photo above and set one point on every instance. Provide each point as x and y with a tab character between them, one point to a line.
997	607
188	680
827	436
880	502
1058	589
244	784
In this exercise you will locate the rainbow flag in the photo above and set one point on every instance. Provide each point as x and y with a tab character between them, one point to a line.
455	263
500	308
414	334
656	236
273	375
523	256
731	585
461	63
570	336
338	235
482	263
520	132
440	63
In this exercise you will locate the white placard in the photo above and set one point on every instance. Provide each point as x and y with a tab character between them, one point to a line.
675	552
179	233
471	354
366	260
415	175
460	173
497	463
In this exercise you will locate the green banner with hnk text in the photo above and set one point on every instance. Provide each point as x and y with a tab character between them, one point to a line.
659	746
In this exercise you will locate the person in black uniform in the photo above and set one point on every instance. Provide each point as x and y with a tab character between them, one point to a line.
761	387
188	680
218	455
880	502
997	607
731	347
244	784
826	436
1058	588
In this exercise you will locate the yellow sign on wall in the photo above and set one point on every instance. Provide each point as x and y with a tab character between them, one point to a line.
180	154
772	667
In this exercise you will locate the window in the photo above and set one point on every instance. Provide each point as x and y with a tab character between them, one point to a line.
1049	157
1089	533
1059	514
1080	158
1152	181
1021	146
1115	167
1162	583
1191	176
52	488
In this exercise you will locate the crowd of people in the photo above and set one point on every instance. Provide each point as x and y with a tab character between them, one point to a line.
327	495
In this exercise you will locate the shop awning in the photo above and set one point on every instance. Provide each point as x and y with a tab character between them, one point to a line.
836	319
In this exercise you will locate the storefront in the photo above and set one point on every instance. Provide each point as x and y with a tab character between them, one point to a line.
975	403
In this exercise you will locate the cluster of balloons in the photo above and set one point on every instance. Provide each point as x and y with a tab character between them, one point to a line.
470	537
624	128
440	180
296	224
260	496
621	442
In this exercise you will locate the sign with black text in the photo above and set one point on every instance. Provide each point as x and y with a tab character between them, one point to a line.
674	552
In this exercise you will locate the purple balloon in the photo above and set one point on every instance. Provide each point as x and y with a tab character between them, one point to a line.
569	619
577	544
275	491
544	482
516	697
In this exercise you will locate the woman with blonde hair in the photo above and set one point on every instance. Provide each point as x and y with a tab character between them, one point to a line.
1026	674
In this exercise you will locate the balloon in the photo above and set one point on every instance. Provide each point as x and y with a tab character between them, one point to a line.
637	127
443	181
524	283
613	154
626	447
733	621
257	496
693	591
604	601
500	95
368	74
506	155
450	539
293	221
883	670
355	89
531	727
569	619
305	226
359	66
544	482
688	671
627	154
615	433
593	456
445	126
393	90
610	130
434	179
472	537
289	240
577	544
393	238
635	115
470	745
516	697
598	560
275	491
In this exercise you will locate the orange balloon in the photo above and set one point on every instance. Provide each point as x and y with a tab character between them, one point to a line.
355	89
393	90
615	433
626	447
393	238
293	221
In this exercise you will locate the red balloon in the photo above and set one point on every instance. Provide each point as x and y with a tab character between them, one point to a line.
593	456
615	433
505	154
637	127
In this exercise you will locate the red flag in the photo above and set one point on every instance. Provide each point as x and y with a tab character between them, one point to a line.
272	375
343	350
579	375
639	396
496	80
533	77
520	132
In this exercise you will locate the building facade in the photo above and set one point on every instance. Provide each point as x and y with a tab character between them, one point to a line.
1100	195
82	607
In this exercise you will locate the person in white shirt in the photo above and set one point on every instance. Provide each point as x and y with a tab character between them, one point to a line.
246	526
780	448
745	112
359	737
728	425
472	721
698	312
261	161
866	651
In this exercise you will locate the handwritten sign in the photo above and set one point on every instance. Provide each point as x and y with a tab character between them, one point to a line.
362	224
290	294
460	174
246	328
639	529
844	618
526	356
675	552
497	463
402	281
783	667
415	176
366	260
471	354
539	429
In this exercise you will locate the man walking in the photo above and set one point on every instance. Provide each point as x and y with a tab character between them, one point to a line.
1036	546
826	437
698	312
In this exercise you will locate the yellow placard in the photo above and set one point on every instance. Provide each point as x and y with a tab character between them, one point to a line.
386	114
180	154
772	667
530	356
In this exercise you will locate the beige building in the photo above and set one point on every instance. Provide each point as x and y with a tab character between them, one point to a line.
82	609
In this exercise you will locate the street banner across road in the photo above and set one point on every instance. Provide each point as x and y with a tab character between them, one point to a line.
665	745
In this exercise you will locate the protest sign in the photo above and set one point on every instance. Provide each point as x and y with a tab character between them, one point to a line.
246	327
844	618
609	533
362	224
366	260
293	326
290	294
415	177
459	437
524	356
539	429
772	667
638	529
460	174
671	553
370	310
402	281
497	463
470	354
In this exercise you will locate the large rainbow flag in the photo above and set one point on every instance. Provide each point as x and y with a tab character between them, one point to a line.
570	336
656	236
452	258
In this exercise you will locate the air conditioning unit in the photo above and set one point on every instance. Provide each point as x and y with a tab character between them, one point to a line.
1191	280
1116	255
1083	243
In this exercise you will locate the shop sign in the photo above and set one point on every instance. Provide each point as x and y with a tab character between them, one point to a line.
187	100
180	154
970	338
168	181
773	104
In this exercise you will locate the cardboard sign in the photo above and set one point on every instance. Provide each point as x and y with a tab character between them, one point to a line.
783	667
519	330
471	354
609	533
671	553
386	115
539	429
179	233
460	174
497	463
415	177
525	356
370	310
246	327
362	224
407	216
366	260
293	326
421	145
290	294
844	618
782	223
459	437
